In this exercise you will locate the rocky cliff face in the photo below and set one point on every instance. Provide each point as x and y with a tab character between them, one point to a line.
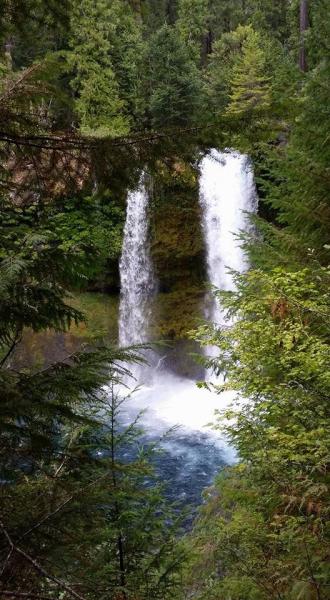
177	250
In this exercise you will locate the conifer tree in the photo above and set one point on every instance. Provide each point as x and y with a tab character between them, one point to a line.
269	512
226	52
192	24
97	524
226	16
250	87
99	106
141	553
269	17
173	79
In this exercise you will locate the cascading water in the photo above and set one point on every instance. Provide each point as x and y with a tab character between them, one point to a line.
194	453
136	272
227	193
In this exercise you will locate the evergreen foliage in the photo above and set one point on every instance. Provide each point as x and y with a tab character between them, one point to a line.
90	93
98	501
99	105
249	87
174	89
192	24
268	516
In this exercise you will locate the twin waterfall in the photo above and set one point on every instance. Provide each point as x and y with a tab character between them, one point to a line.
194	452
227	194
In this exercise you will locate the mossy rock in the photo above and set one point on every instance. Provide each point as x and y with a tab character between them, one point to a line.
177	245
176	313
37	350
176	233
101	311
173	174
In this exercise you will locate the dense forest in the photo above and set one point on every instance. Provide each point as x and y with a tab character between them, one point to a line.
91	93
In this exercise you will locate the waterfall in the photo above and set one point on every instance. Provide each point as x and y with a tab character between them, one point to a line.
136	272
227	190
194	450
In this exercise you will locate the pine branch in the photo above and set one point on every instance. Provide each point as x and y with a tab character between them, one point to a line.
38	567
62	143
52	514
12	347
25	75
12	594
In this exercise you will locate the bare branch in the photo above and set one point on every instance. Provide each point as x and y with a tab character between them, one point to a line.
13	594
47	517
38	567
15	84
12	347
63	504
58	142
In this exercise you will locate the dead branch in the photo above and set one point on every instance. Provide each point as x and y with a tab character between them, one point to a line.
38	567
9	593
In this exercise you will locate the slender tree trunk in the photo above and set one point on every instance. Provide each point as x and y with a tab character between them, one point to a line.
120	544
170	12
121	563
8	53
207	46
304	23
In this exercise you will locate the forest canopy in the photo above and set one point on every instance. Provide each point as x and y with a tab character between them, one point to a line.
91	93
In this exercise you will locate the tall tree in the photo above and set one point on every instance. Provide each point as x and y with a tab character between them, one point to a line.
100	103
192	24
304	22
249	85
173	79
268	16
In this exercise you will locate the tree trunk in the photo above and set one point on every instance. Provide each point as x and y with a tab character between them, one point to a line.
121	563
136	6
304	23
8	53
206	46
120	544
170	12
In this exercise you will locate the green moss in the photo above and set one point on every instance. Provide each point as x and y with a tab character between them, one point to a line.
101	312
177	246
177	312
39	349
176	233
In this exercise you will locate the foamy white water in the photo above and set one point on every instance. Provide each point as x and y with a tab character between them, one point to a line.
136	272
172	401
227	192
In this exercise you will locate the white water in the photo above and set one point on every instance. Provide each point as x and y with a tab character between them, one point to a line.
136	272
227	192
173	401
193	452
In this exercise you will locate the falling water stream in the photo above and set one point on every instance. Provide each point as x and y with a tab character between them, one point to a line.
137	281
194	452
227	194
